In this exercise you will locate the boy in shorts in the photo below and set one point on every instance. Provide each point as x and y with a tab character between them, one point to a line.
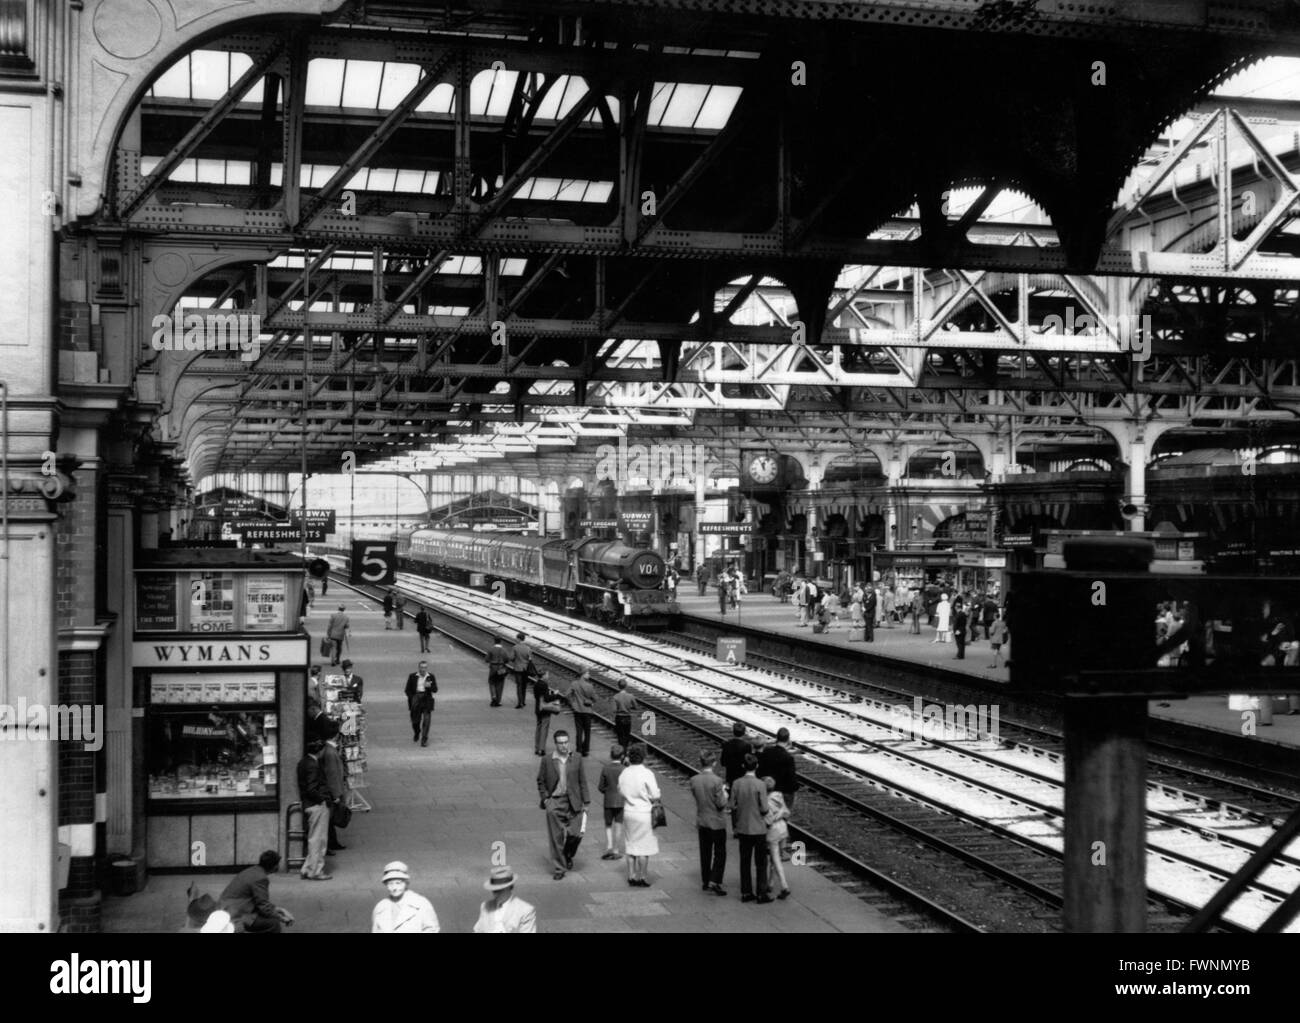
613	803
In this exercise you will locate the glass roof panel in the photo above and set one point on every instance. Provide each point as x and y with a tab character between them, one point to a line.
361	85
685	105
663	94
1271	78
398	80
174	83
503	89
211	170
325	77
718	105
210	73
441	101
382	179
316	174
408	181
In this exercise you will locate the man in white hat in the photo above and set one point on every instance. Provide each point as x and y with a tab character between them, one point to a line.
403	912
503	913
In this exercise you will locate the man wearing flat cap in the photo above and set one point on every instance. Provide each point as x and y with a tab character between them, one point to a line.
403	912
504	913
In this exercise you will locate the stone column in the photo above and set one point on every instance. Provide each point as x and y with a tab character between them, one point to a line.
815	474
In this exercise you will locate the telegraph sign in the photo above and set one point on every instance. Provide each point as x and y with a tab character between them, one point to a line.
374	563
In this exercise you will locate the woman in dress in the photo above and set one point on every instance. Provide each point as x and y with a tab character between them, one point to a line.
640	791
942	612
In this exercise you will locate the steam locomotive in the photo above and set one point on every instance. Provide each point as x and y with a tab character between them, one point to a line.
604	580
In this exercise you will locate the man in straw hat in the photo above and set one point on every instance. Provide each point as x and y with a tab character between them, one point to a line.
403	912
503	913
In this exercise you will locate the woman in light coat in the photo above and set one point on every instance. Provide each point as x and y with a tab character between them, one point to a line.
942	615
640	792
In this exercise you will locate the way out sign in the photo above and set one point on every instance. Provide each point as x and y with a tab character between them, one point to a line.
731	649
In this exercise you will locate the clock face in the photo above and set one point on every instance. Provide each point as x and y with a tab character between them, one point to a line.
762	468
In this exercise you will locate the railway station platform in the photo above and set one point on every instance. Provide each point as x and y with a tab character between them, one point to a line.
440	809
764	612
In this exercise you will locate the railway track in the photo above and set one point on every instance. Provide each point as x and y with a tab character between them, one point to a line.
1215	789
676	743
1007	823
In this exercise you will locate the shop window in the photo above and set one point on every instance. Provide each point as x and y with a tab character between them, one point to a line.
199	753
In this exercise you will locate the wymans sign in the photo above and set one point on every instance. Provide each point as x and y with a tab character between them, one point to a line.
201	654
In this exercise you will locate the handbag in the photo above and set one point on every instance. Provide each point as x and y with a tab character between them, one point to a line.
341	815
658	815
550	707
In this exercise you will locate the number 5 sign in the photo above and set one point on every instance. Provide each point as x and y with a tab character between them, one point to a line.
374	564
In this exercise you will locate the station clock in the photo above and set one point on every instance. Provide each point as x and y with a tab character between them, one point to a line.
763	469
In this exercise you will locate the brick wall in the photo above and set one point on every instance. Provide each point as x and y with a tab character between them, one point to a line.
76	766
76	567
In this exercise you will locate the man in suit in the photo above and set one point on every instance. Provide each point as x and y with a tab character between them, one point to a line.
424	626
248	898
748	821
625	706
519	658
498	660
777	762
710	800
562	786
336	780
420	687
504	912
336	632
869	601
354	682
582	701
314	794
734	751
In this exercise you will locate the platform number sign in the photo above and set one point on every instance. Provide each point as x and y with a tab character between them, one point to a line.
373	564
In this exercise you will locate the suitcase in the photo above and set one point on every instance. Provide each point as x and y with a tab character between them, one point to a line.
818	627
858	635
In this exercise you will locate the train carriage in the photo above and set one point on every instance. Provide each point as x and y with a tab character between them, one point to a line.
605	580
